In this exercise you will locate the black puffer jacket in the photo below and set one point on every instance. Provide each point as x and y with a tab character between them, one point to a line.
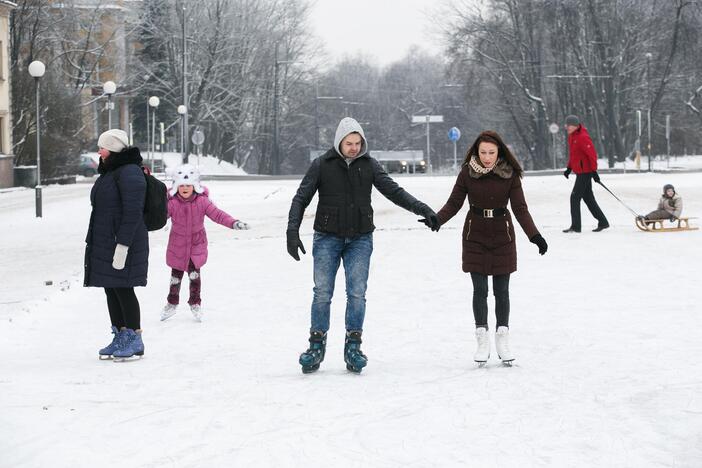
117	199
344	189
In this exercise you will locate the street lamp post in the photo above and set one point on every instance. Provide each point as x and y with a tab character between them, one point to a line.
648	84
274	158
148	119
454	134
428	119
154	101
553	129
183	111
109	88
184	114
37	70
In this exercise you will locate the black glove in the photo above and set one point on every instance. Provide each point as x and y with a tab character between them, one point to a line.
431	220
539	241
294	243
567	172
673	219
596	177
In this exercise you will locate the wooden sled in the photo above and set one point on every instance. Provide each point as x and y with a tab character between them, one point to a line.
656	225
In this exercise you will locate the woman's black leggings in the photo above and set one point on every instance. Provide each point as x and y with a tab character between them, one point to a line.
124	308
500	286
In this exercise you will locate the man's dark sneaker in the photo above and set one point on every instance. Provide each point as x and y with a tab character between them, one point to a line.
601	227
570	229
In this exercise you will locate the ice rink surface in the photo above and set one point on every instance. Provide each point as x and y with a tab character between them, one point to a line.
605	328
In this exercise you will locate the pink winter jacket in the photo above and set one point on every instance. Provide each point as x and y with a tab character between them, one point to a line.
188	239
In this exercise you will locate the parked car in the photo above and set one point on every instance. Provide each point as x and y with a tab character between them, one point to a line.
88	165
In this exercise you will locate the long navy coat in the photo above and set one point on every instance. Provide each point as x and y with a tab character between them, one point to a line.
117	199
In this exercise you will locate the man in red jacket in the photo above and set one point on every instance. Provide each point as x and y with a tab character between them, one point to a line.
582	161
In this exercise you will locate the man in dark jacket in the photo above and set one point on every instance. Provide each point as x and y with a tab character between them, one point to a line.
582	161
343	225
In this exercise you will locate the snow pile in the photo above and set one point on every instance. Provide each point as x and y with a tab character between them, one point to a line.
209	165
658	163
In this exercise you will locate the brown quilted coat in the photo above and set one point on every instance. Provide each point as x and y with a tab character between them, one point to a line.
489	243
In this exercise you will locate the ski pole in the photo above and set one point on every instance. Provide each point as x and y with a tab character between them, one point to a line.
624	204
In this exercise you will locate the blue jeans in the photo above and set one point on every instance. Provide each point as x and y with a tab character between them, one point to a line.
328	251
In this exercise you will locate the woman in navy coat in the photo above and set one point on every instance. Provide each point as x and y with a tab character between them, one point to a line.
117	250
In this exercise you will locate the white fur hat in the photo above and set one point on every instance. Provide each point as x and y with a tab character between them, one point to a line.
186	175
115	140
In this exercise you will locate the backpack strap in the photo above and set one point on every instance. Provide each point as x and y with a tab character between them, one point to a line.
116	174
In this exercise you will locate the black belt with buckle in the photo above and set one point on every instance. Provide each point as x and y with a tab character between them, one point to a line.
488	213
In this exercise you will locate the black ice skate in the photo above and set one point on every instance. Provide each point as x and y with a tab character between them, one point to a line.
354	357
313	357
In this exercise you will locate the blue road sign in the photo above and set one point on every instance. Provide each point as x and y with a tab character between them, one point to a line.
454	134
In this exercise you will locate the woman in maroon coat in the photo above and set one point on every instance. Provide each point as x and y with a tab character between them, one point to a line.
491	177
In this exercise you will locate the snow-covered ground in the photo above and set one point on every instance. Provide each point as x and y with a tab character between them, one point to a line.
605	327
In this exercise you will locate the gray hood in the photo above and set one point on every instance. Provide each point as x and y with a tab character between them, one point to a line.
346	126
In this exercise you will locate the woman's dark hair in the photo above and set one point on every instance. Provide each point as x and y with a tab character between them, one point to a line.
490	136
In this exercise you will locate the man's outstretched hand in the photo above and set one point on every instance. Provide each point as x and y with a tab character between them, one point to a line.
431	220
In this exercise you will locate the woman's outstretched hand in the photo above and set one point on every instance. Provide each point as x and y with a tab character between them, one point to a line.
431	220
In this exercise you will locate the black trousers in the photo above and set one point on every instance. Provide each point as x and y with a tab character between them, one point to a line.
500	288
124	308
582	190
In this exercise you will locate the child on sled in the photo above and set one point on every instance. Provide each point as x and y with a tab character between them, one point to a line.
669	206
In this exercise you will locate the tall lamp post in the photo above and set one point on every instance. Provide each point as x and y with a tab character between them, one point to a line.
274	159
428	119
184	114
183	111
109	88
648	84
37	70
154	101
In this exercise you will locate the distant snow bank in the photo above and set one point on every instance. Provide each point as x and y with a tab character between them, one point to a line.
658	163
209	165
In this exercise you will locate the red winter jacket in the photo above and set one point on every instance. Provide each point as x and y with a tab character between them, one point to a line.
583	157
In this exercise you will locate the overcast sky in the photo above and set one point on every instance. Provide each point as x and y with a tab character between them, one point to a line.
383	28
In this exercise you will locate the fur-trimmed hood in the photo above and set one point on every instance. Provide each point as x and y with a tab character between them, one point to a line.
114	160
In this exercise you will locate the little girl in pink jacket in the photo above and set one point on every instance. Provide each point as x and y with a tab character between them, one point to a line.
188	204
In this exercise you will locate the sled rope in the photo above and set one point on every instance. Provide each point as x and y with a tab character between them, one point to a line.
624	204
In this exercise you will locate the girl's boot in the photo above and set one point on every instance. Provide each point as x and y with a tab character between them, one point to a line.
168	311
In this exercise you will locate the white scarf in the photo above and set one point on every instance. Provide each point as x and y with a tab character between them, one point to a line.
478	168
